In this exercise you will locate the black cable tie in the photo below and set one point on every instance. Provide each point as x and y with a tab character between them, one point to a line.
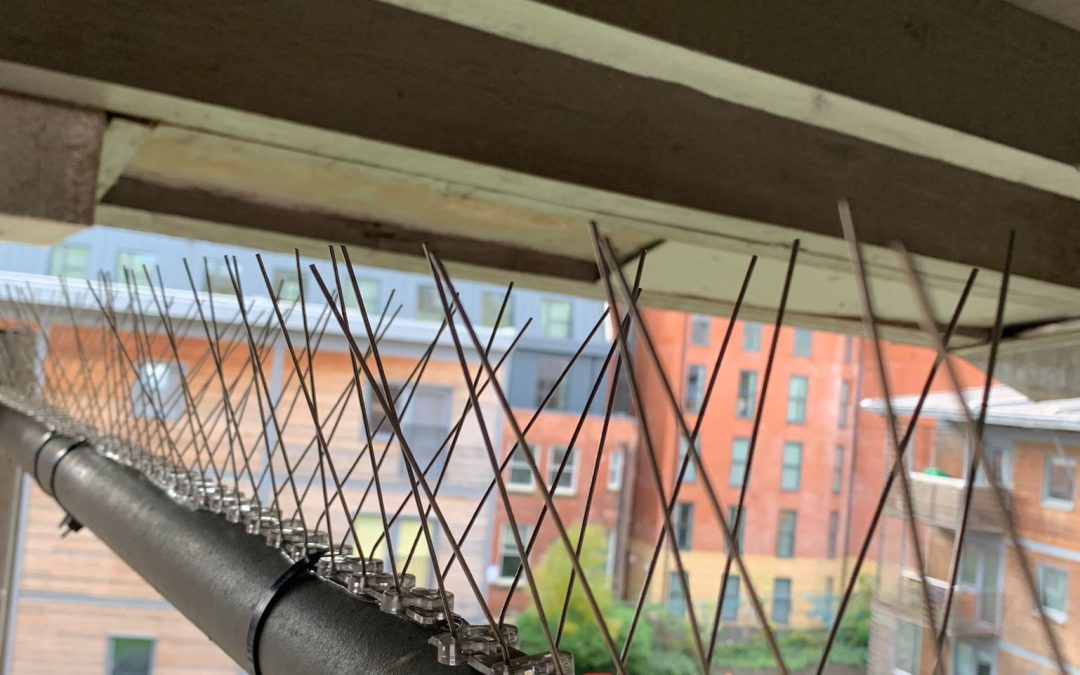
56	465
258	617
37	455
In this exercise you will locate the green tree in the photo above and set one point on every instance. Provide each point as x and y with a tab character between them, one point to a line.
581	635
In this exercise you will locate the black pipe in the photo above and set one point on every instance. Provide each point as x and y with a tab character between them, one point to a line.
215	573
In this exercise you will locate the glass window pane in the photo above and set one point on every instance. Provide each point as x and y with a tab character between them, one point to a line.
751	337
731	599
803	342
555	318
791	472
744	404
785	534
70	260
428	304
490	304
700	327
797	389
691	466
781	604
1059	479
130	656
519	474
740	449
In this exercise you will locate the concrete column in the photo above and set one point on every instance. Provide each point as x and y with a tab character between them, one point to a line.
49	157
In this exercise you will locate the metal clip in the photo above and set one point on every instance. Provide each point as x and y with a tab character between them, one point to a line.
471	641
420	605
532	664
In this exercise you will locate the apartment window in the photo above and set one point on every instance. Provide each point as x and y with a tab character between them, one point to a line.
611	552
730	612
157	388
838	470
130	656
509	559
135	261
691	468
740	451
695	388
615	470
906	648
555	318
781	600
217	279
378	425
804	340
1000	461
849	348
548	371
785	534
796	405
845	404
834	533
1059	480
287	285
1053	591
732	516
675	602
827	602
683	524
744	403
370	291
490	304
568	480
700	327
520	476
791	471
751	337
428	304
426	426
70	260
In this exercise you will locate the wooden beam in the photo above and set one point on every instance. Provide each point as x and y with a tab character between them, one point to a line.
235	209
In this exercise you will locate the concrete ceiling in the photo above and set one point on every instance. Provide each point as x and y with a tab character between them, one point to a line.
704	131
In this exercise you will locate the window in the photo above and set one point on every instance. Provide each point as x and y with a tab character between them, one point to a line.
744	404
691	467
428	304
490	304
848	348
548	371
1053	591
130	656
555	318
740	450
520	476
134	261
287	285
845	403
838	470
216	277
378	425
834	533
791	471
827	602
751	337
796	404
157	388
683	524
675	601
785	535
731	599
700	327
615	470
611	557
906	648
1000	461
426	425
1059	480
804	340
370	291
781	600
70	260
568	480
732	516
695	388
509	559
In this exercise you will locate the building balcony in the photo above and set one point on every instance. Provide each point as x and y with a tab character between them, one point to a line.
975	613
939	500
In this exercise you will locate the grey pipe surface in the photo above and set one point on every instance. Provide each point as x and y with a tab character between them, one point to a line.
214	573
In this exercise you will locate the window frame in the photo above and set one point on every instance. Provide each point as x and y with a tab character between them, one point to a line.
489	320
425	313
787	600
916	645
780	533
800	402
137	273
522	465
838	469
699	323
1058	615
844	407
570	470
1046	498
802	343
615	470
65	250
546	320
735	478
683	524
691	468
786	466
745	406
730	611
110	651
751	337
694	395
832	543
508	548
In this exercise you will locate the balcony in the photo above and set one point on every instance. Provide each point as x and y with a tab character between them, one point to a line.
939	500
975	613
